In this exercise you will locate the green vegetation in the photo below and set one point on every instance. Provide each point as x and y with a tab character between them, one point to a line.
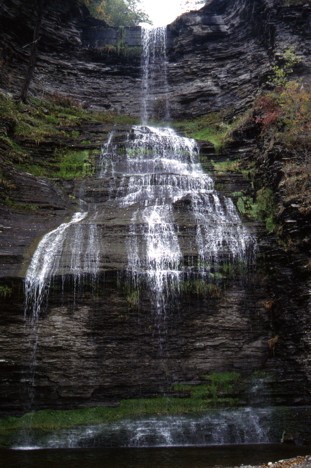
263	207
121	49
286	113
40	119
69	164
282	72
227	166
5	291
216	391
214	127
284	118
20	207
133	299
201	288
197	398
297	183
55	121
118	12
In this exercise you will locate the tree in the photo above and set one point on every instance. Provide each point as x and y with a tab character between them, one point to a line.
34	50
114	12
118	12
282	72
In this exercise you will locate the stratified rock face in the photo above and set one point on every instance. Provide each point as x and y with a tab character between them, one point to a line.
71	60
19	229
98	348
218	57
103	340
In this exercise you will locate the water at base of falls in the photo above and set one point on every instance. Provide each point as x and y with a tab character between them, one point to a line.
173	457
217	427
178	229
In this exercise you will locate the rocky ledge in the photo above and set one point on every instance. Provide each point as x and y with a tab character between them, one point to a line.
298	462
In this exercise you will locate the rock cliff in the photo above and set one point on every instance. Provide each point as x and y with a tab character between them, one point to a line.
99	345
218	57
222	55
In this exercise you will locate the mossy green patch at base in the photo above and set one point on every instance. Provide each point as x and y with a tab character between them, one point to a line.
218	385
197	398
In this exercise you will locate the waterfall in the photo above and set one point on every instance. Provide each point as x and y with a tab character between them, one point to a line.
217	427
161	180
180	229
154	75
157	175
161	172
44	264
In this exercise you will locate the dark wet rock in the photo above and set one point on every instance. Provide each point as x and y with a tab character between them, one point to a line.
221	55
96	345
218	57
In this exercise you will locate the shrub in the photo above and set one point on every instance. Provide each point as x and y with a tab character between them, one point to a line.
267	111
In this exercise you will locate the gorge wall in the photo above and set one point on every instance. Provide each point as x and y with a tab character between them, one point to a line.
99	345
218	57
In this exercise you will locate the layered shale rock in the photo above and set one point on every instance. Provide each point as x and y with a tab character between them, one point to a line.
221	55
218	57
102	341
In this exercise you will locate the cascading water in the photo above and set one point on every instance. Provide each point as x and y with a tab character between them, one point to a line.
72	248
159	173
154	71
180	229
82	244
218	427
44	264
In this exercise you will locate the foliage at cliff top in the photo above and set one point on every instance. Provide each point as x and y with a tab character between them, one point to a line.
118	12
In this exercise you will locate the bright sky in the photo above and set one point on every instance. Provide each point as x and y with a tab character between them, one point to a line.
162	12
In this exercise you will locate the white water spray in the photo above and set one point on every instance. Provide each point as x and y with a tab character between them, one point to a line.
160	179
154	75
44	264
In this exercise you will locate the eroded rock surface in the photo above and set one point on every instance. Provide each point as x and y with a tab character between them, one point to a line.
218	57
97	345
